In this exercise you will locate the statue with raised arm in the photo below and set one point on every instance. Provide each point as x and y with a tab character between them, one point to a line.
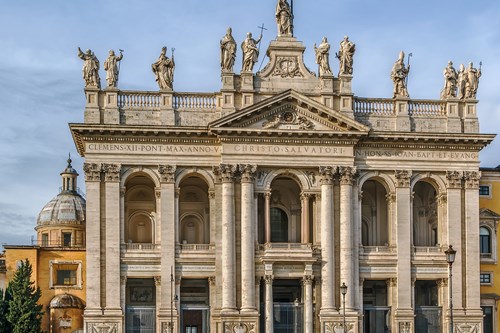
398	75
450	82
322	57
227	52
163	69
112	69
284	18
90	70
461	82
346	56
472	76
250	52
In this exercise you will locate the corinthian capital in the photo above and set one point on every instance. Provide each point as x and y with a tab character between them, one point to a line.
92	172
111	172
327	173
454	179
347	175
472	179
167	173
403	177
247	172
225	172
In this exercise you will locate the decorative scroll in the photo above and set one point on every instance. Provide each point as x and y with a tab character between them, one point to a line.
239	327
290	119
338	327
287	67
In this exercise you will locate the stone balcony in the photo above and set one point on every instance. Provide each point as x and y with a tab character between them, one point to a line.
287	252
140	250
195	251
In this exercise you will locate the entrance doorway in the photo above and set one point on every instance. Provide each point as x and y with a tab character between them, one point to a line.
140	312
195	309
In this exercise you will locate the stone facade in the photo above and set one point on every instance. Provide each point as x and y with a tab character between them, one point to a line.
246	209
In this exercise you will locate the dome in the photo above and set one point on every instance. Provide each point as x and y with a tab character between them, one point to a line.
66	301
66	208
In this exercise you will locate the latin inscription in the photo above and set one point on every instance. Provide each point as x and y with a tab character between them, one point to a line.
417	155
149	148
272	149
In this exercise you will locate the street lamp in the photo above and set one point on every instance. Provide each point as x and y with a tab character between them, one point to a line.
343	290
450	258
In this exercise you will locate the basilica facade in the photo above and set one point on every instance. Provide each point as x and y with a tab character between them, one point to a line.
245	210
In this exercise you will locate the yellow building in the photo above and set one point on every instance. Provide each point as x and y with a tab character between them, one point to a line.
57	257
489	203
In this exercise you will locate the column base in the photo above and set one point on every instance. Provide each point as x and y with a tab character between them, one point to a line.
334	322
404	320
166	320
240	323
471	321
103	323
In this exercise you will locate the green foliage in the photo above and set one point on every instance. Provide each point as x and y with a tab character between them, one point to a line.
24	314
5	297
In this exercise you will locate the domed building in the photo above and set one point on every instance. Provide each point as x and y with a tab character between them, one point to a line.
57	257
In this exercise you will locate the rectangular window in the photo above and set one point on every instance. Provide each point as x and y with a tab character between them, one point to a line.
65	274
45	239
485	278
66	239
484	190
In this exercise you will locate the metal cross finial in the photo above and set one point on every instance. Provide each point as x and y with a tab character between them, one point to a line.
262	29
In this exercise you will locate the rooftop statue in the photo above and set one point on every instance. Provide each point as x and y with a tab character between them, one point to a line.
472	76
111	66
346	55
450	82
250	52
461	81
227	52
399	74
284	18
322	57
90	69
163	69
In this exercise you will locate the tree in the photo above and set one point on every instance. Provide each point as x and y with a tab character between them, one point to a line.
5	297
25	314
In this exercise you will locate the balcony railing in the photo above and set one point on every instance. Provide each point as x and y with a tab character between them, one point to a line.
377	249
140	247
196	247
56	243
427	249
385	107
195	101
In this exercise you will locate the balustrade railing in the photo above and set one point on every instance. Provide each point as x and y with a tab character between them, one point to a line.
377	249
427	249
381	106
140	246
426	108
138	99
195	101
196	247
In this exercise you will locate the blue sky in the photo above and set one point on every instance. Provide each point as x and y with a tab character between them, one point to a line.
41	88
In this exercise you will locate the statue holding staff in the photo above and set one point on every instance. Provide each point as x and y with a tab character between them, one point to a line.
399	74
472	76
163	69
90	70
111	66
250	52
227	51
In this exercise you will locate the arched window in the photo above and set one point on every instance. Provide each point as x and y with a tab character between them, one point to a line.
425	215
484	240
279	225
375	217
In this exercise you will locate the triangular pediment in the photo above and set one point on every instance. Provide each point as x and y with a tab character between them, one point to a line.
289	111
485	213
